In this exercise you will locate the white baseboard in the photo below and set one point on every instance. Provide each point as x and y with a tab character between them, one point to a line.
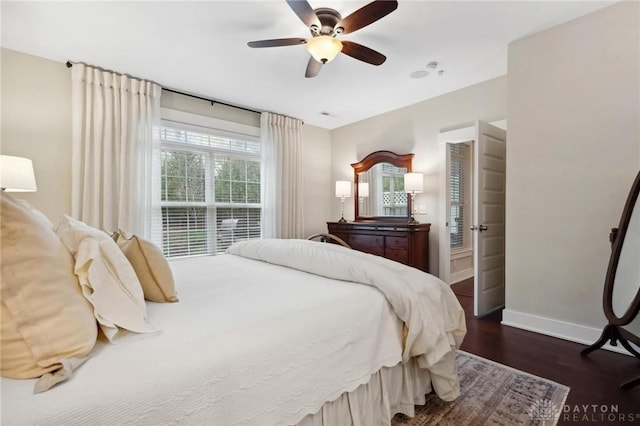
456	277
556	328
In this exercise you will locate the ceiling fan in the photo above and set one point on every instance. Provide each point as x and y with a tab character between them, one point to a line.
324	24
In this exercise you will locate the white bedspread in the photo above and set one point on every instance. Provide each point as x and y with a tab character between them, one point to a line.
249	343
426	304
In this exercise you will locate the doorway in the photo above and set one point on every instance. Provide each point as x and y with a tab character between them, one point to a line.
472	238
459	210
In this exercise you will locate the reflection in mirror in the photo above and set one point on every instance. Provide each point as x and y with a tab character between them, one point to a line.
627	278
384	186
379	180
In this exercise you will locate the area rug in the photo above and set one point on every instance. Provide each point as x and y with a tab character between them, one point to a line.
492	394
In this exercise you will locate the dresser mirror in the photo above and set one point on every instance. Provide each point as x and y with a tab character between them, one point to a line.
379	187
621	298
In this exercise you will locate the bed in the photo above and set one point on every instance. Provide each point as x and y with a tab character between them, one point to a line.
274	332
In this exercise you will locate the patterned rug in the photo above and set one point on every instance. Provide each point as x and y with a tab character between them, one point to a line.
492	394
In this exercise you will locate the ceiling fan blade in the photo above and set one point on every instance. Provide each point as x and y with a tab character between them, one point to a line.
277	42
305	12
313	68
367	15
362	53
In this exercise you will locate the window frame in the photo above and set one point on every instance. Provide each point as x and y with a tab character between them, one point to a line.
218	128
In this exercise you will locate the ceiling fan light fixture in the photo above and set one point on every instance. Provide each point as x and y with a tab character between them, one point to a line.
324	23
324	48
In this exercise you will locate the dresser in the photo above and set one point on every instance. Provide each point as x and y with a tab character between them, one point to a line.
403	242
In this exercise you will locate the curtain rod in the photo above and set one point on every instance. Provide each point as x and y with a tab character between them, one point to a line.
213	101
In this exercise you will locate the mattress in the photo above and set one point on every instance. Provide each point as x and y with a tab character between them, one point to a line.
249	343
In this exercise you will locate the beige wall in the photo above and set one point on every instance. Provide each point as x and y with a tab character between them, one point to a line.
36	123
317	187
573	151
415	129
202	107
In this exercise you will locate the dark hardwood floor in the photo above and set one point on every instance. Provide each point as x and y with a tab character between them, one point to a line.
594	379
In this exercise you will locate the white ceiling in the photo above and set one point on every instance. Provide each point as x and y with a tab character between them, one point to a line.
201	48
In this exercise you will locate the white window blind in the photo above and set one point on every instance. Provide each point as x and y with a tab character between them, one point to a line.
460	195
210	189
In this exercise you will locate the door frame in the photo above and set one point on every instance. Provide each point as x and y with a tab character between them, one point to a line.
466	133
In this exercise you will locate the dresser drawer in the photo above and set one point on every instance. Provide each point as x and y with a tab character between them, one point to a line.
399	255
406	243
373	244
358	240
397	242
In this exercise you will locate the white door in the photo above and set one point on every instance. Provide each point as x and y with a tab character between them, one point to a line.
488	217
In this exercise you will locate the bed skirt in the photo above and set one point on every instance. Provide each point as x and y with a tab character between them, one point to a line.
391	390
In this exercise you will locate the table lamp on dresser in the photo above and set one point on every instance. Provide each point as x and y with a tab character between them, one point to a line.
343	190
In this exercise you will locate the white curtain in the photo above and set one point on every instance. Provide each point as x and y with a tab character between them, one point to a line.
115	151
281	138
376	191
368	203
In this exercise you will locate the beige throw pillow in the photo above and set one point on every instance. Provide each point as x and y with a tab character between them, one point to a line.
42	218
150	266
107	279
46	321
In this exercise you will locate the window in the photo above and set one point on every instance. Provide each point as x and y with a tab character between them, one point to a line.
460	195
210	189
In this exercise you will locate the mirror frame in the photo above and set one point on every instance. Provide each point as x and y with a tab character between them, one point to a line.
614	332
617	238
365	164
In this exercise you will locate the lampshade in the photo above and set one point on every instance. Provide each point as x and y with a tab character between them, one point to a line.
413	182
16	174
324	48
363	189
343	188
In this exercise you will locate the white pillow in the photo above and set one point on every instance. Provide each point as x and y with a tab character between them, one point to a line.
107	279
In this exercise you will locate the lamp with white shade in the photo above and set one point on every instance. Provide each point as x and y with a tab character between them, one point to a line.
16	174
363	189
413	184
343	190
363	192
